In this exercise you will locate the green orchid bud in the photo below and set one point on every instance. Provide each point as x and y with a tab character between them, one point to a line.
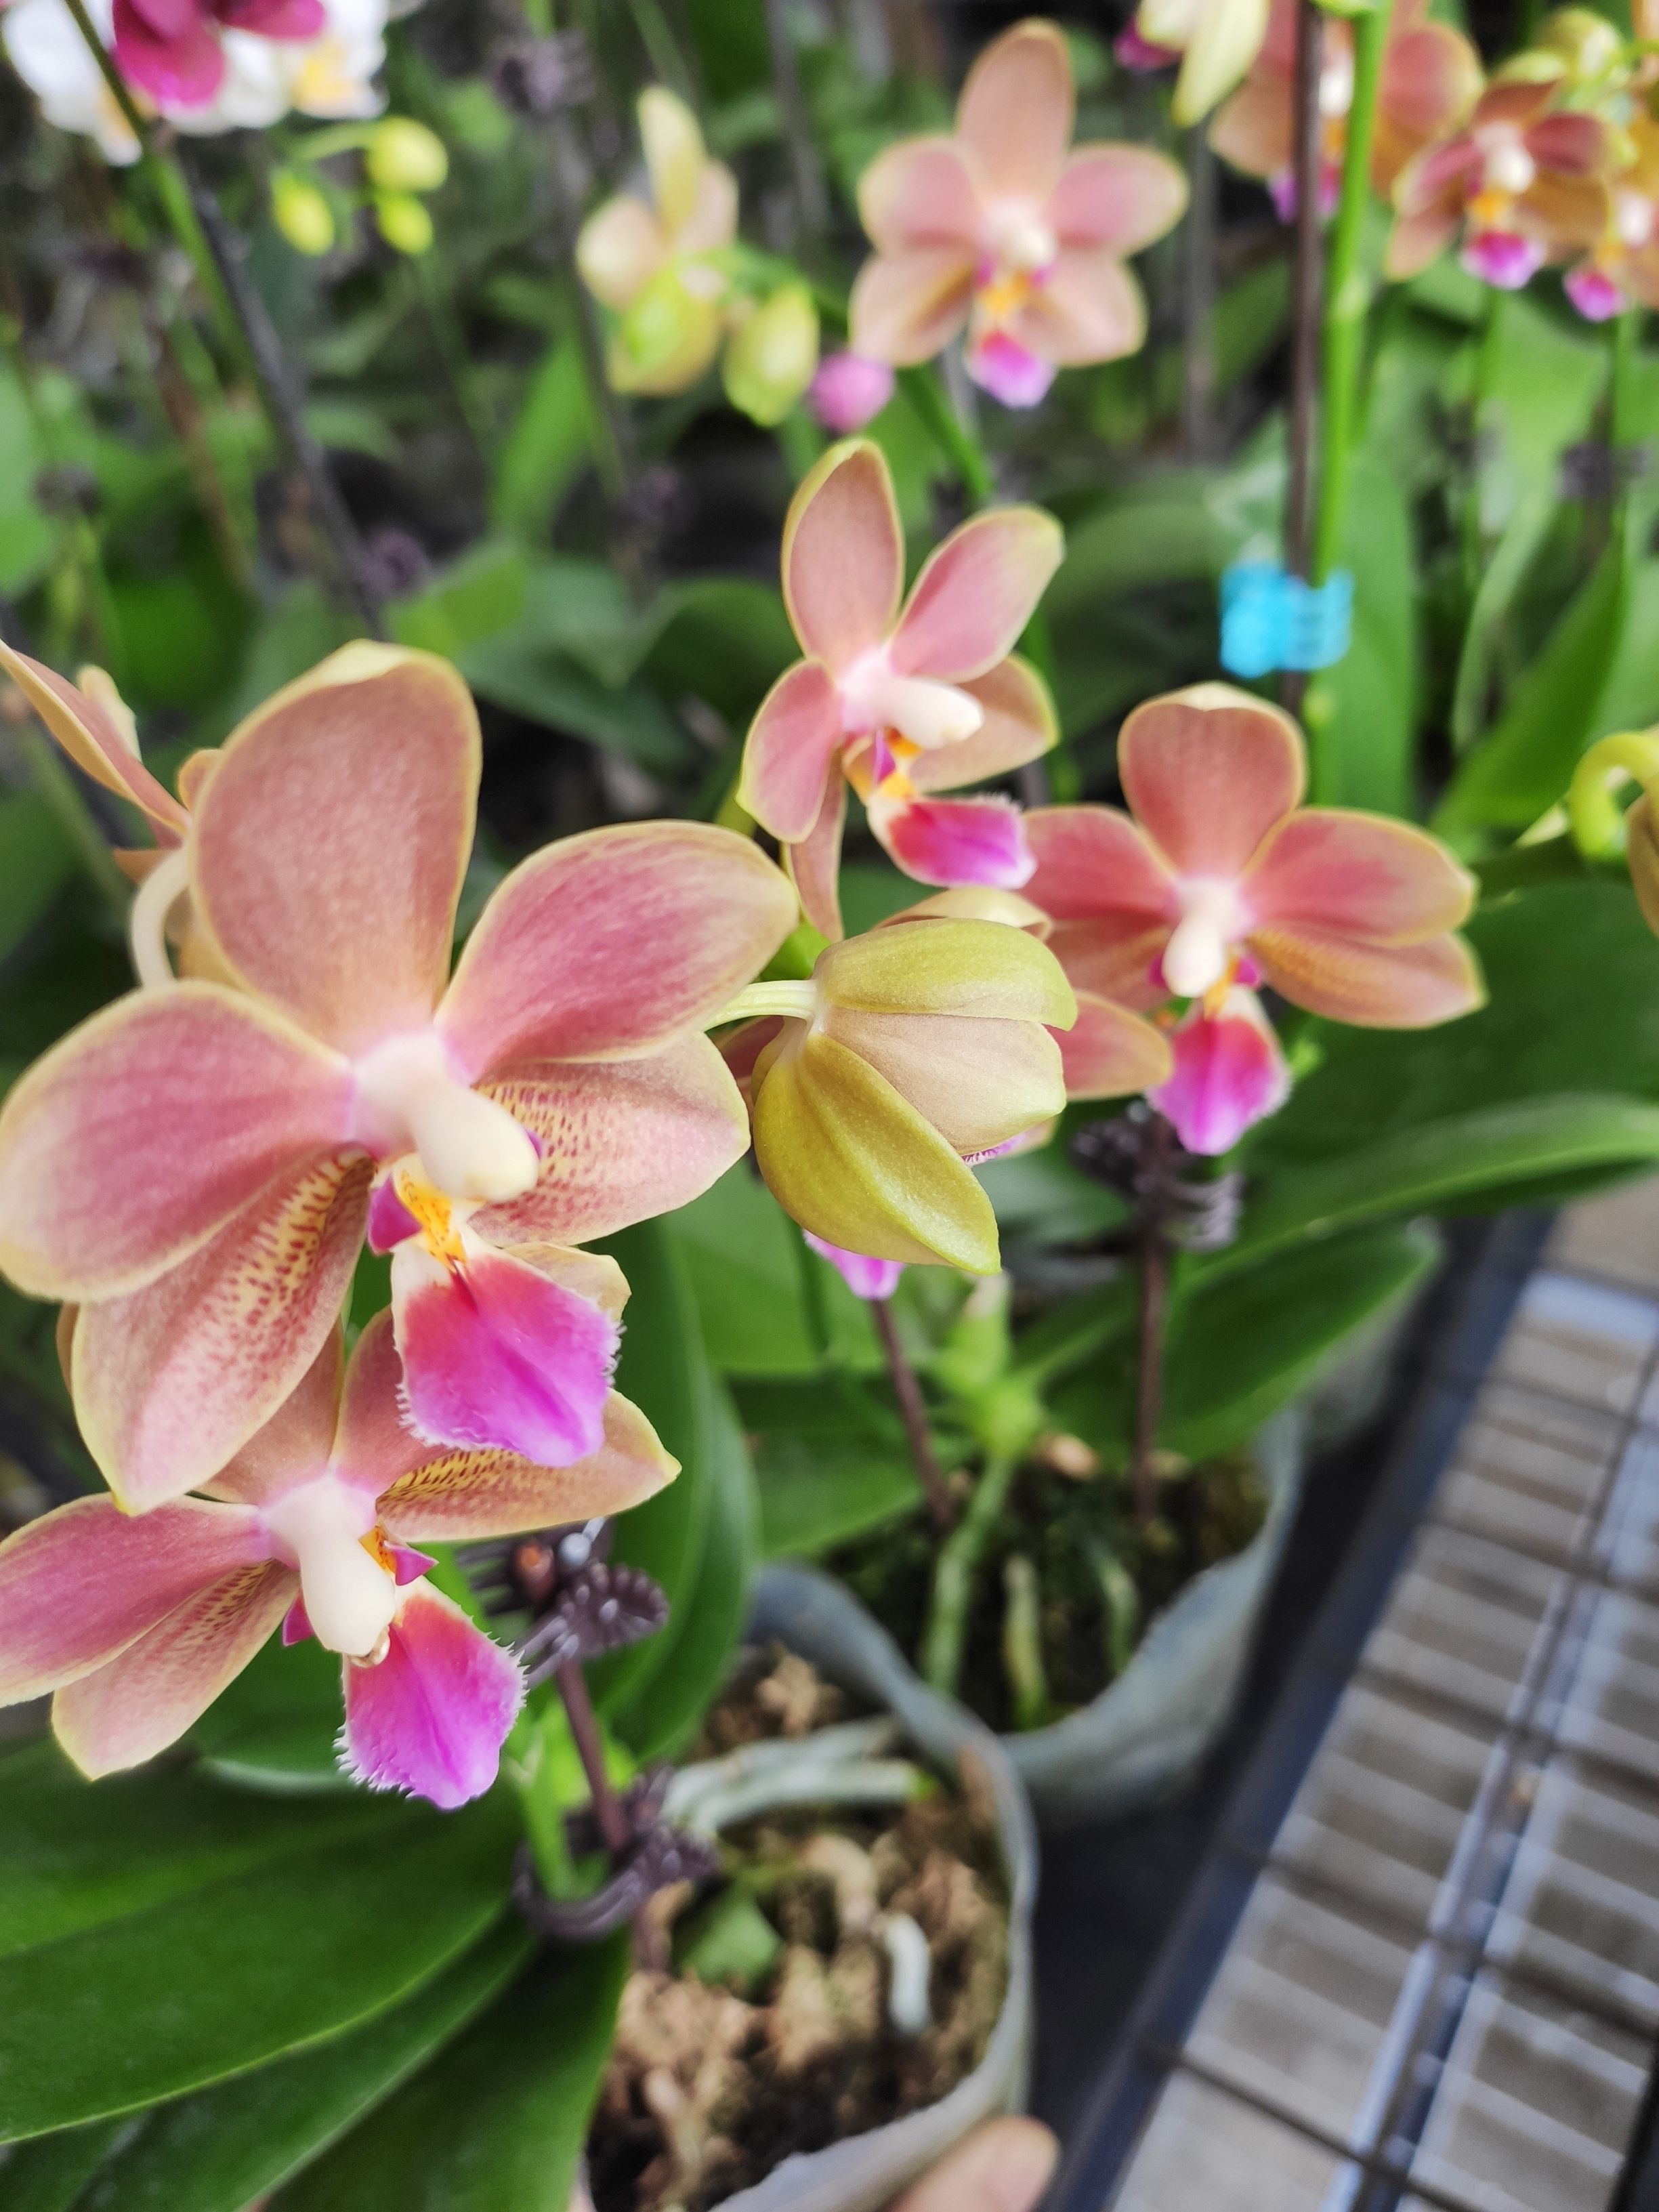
669	335
1585	42
302	212
772	355
405	156
404	222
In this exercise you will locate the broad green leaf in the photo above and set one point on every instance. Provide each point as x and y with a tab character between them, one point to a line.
36	861
27	537
219	2150
746	1265
49	2173
276	1727
724	639
1362	712
1039	1195
124	1982
1542	377
547	445
547	686
476	599
817	1493
496	2122
1240	1347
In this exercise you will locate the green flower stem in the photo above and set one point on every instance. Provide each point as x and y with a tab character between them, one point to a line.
957	445
1305	312
1347	296
1488	352
945	1635
1022	1644
913	1411
1597	823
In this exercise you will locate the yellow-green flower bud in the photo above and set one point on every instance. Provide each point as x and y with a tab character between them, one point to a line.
1587	43
669	335
404	222
302	212
772	355
405	156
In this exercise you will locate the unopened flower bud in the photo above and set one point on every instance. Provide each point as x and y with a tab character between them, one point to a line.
770	360
666	337
302	212
1587	43
405	156
850	390
404	223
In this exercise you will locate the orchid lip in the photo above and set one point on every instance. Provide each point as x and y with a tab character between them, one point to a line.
468	1146
875	696
1020	238
1213	920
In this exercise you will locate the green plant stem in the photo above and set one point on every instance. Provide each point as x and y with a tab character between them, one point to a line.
1347	296
1021	1643
182	407
945	1635
1486	357
1305	314
956	444
913	1411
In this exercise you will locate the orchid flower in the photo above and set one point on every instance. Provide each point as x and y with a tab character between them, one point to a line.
193	1165
135	1625
1002	230
908	1053
1215	41
656	263
900	703
1431	78
1622	268
1525	181
204	65
1219	877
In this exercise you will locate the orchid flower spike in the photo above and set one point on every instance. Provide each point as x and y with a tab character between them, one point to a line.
134	1625
1215	41
899	702
1003	229
1526	181
1218	878
909	1052
193	1166
656	263
204	66
1431	78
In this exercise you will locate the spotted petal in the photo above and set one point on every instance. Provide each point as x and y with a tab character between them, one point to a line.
296	1443
620	1141
138	1705
1208	773
1357	875
431	1718
975	594
80	1584
459	1497
134	1139
844	554
607	943
1015	113
1120	198
791	752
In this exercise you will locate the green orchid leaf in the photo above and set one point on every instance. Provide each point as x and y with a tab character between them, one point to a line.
746	1264
49	2173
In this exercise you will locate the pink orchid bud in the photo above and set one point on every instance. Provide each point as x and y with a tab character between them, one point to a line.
847	392
1135	52
866	1277
1594	293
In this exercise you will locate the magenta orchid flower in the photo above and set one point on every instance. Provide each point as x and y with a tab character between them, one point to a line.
135	1624
173	50
1218	878
1004	230
192	1167
899	702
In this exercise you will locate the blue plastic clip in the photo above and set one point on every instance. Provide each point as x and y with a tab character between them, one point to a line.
1271	620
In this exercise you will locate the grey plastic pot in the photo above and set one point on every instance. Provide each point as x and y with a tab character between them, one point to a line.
820	1620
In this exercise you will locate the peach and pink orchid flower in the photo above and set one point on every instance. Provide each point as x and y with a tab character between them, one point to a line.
1525	182
899	699
135	1624
1431	78
1218	878
1622	268
1214	41
193	1166
1002	230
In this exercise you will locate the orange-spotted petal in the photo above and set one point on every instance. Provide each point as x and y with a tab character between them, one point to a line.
844	554
975	594
1392	986
1208	773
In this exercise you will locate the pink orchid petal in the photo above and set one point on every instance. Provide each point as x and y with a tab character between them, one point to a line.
1118	197
905	307
296	1625
1208	773
1092	860
957	841
1417	240
921	194
1519	100
81	1584
1357	875
1109	1053
431	1718
1504	258
621	1141
791	751
866	1277
612	942
975	594
846	391
390	1221
1431	79
184	69
137	1138
1015	113
409	1565
1572	145
1253	128
1407	986
330	842
496	1355
463	1496
814	864
171	19
129	1711
1442	174
1116	956
85	731
170	1381
296	1443
274	19
1088	309
1019	726
843	555
1012	373
1228	1073
1594	293
978	1080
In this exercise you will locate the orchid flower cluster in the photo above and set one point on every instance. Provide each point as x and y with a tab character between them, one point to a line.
194	1172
